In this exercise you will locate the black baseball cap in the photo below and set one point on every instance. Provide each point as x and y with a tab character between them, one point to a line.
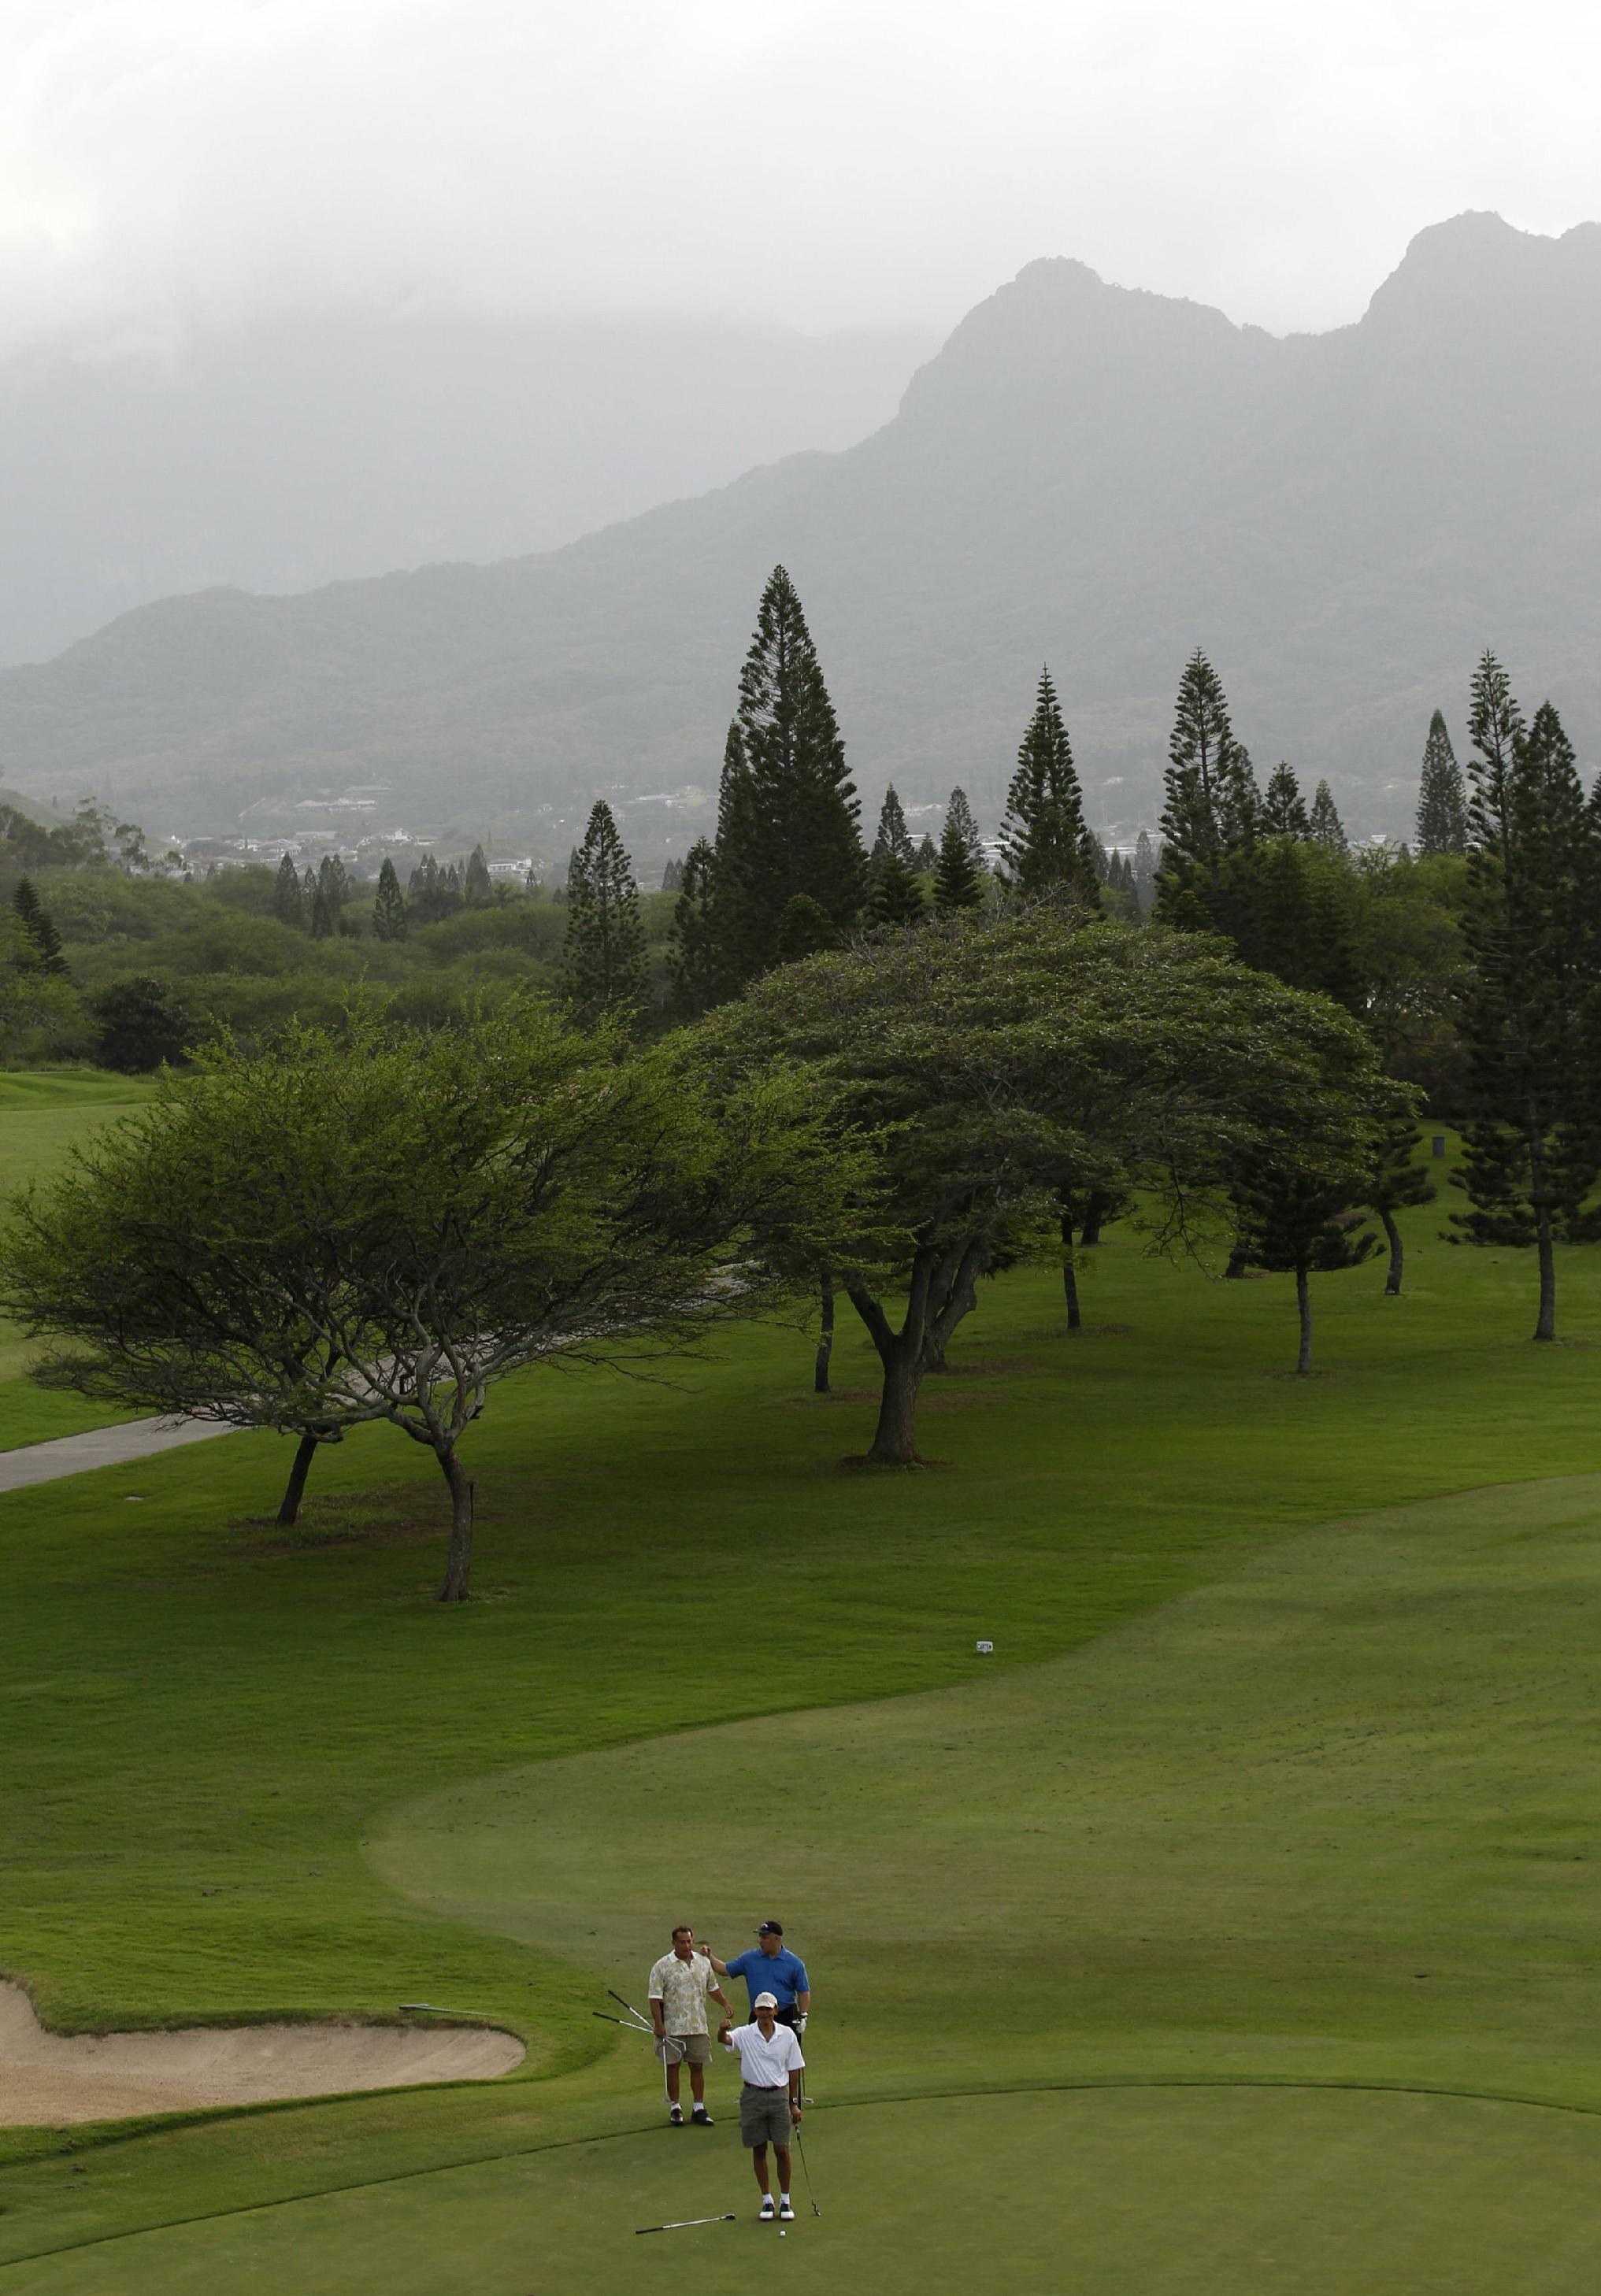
771	1928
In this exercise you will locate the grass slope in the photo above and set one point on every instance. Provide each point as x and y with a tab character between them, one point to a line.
1198	2193
42	1112
206	1725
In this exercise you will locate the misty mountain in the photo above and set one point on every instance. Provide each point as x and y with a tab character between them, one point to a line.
303	449
1085	474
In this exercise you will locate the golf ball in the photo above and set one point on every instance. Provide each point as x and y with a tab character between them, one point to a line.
783	2232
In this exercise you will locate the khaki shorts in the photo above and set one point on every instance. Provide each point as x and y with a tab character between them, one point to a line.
764	2116
695	2048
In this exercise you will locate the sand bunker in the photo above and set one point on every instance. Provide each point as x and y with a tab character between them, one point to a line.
46	2078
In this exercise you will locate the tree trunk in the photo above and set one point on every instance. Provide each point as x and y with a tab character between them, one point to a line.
895	1438
825	1341
1545	1322
305	1452
1392	1281
1094	1213
1069	1277
1239	1260
1303	1302
458	1562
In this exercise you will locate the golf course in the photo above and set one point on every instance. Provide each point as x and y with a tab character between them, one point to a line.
1232	1925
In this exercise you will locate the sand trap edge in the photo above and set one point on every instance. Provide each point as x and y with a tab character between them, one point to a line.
50	2079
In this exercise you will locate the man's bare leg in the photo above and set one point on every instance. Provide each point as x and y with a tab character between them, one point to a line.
672	2078
697	2083
783	2152
759	2161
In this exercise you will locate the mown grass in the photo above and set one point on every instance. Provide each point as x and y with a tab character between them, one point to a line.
43	1112
206	1739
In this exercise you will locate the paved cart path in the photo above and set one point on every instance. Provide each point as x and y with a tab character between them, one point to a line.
103	1446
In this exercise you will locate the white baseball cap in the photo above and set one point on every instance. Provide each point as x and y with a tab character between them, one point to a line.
765	2001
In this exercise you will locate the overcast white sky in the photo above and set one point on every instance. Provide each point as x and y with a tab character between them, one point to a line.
821	163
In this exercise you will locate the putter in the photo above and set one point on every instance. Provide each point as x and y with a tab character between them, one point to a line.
806	2171
684	2224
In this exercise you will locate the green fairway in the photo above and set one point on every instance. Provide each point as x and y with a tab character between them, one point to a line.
1332	1817
1198	2193
42	1112
1284	1768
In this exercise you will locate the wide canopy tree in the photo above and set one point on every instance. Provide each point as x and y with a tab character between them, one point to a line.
999	1064
377	1226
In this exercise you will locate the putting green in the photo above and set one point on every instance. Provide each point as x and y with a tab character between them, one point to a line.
1107	2192
1334	1817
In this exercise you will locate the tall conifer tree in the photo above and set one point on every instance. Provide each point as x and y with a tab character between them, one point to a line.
1441	799
893	835
1324	824
43	941
896	896
289	902
1211	802
957	884
389	905
1045	842
694	969
958	811
602	959
1529	1012
787	822
1284	808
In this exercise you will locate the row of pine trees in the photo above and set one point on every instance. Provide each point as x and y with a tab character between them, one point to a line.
787	875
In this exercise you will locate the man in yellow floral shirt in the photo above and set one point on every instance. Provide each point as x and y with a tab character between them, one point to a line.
675	1997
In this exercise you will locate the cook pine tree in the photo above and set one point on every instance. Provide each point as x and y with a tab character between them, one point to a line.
1528	1012
289	901
1284	808
1210	806
895	894
893	835
602	957
43	940
390	921
788	812
693	976
957	880
1324	825
1045	845
1441	796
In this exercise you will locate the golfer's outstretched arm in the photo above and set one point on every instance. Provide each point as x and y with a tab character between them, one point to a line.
721	1967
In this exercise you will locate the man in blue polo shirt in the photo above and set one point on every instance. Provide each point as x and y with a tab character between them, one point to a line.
770	1967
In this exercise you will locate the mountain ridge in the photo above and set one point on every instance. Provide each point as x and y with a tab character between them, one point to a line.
1085	473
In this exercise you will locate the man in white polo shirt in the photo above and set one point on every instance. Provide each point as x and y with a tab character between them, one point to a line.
675	1997
769	2102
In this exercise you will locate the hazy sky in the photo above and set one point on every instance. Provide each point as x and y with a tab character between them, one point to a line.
822	163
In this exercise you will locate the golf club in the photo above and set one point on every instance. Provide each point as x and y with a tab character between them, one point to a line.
627	2023
431	2009
684	2224
806	2171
